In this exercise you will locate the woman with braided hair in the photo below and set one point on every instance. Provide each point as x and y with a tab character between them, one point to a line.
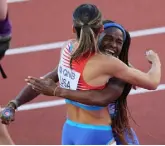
118	109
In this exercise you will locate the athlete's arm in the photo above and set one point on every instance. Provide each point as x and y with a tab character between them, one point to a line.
134	76
3	9
103	97
91	97
27	94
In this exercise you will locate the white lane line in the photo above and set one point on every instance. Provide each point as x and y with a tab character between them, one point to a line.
15	1
57	45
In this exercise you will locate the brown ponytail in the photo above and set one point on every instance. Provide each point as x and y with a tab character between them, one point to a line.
87	42
87	20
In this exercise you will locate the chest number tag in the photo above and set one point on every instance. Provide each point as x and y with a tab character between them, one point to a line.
68	78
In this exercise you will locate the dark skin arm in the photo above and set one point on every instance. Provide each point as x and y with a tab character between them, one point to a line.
27	94
112	91
91	97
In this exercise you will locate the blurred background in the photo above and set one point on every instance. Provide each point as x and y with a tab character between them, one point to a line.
40	27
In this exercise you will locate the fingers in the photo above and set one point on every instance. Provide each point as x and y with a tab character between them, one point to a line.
41	80
37	88
34	83
32	80
34	86
41	85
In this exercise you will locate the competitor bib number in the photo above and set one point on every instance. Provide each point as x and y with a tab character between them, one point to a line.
68	78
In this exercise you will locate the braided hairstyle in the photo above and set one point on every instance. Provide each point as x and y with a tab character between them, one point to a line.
120	122
87	22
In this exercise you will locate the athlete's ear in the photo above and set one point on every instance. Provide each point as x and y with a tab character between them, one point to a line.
73	29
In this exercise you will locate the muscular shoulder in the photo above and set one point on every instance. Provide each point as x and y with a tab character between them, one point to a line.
110	64
104	60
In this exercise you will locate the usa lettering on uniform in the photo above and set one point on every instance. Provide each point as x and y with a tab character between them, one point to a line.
66	75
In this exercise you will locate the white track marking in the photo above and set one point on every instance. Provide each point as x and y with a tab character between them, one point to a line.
15	1
146	32
35	48
52	103
57	45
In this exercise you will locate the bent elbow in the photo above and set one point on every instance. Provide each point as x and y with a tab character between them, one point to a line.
153	86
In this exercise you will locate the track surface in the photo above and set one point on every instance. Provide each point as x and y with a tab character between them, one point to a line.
42	21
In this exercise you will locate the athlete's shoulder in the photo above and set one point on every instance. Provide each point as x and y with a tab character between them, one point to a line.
106	62
103	57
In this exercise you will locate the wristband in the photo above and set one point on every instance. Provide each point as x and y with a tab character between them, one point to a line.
14	103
